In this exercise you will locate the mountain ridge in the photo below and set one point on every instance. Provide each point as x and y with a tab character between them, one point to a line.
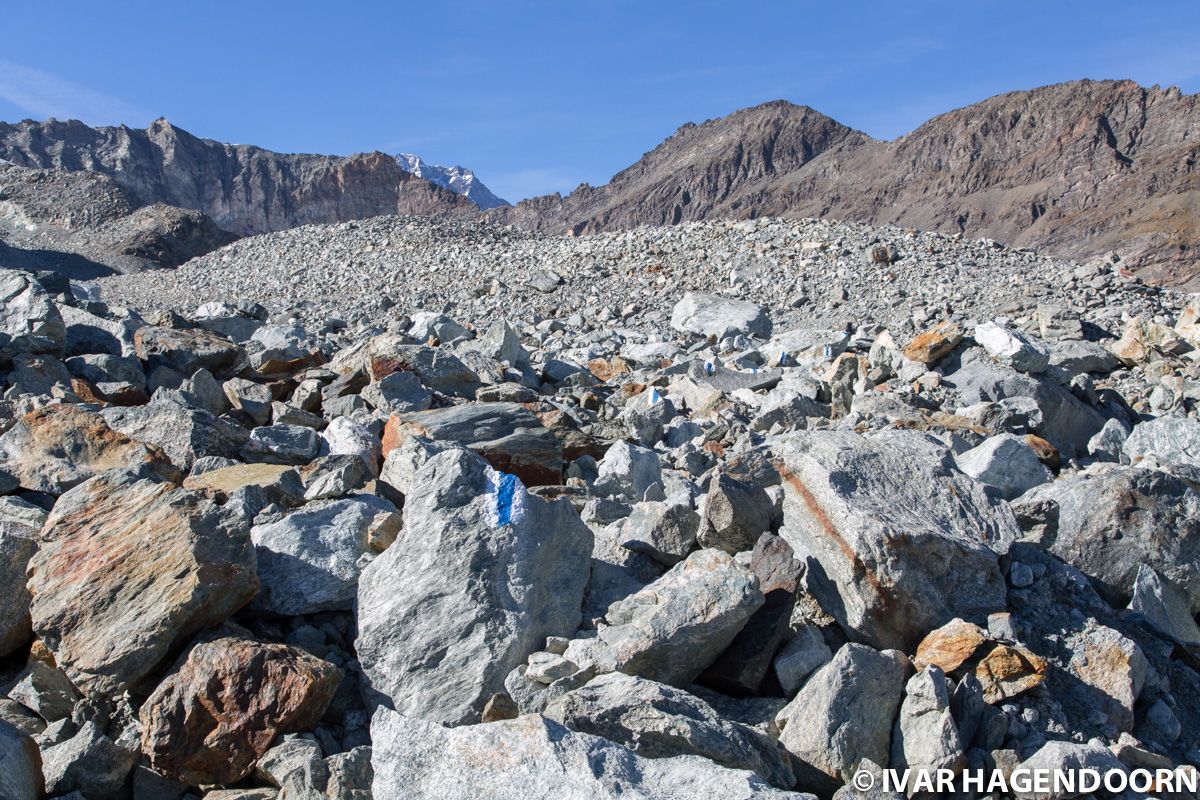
1079	168
243	188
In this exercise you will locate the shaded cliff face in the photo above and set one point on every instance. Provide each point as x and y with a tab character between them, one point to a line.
1077	169
84	225
244	189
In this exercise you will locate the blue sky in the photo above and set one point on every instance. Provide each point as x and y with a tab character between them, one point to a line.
541	96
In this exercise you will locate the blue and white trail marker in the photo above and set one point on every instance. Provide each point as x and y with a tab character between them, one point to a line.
506	498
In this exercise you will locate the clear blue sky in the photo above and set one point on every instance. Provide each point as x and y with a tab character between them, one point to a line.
541	96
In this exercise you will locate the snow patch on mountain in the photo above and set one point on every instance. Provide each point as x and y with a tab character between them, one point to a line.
459	180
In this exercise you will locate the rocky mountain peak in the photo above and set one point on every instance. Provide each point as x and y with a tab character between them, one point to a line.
457	179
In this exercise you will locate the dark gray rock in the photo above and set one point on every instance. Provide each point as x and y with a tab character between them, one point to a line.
509	436
1110	520
733	514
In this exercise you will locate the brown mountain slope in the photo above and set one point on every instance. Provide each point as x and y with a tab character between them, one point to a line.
694	174
1077	169
244	189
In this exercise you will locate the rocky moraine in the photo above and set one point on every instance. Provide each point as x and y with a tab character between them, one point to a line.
406	509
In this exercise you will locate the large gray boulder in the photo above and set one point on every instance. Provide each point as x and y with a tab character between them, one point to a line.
663	531
29	320
844	714
1006	462
183	430
1109	520
925	736
533	757
19	525
659	721
309	560
1164	607
898	540
20	765
89	763
1011	347
1061	757
509	436
88	333
1170	442
1067	422
673	629
734	514
712	315
483	574
398	393
627	471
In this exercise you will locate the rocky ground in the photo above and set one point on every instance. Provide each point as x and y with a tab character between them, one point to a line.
401	509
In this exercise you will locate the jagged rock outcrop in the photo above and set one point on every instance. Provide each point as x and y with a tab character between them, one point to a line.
244	189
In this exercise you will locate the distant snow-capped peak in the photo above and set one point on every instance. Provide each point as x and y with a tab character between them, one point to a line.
459	180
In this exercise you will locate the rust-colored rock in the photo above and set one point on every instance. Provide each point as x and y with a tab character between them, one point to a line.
500	707
1143	340
1047	453
128	570
60	446
950	646
219	711
606	369
933	344
1009	670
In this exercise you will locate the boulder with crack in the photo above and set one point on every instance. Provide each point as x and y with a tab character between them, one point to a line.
484	573
897	539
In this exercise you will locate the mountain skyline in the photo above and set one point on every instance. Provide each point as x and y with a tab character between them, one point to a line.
537	98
